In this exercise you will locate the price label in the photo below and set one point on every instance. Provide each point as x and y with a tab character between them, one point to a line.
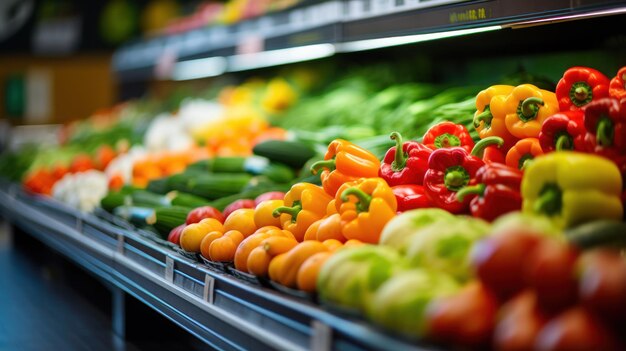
120	244
322	336
169	269
79	224
209	289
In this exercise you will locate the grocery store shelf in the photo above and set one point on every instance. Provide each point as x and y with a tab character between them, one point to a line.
326	28
219	309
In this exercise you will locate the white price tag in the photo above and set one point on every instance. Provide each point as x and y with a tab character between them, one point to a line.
209	289
322	336
79	225
169	269
120	243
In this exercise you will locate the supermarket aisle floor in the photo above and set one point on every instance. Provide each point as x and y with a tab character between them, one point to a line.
40	313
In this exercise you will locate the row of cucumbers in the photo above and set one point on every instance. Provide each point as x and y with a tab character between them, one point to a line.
216	182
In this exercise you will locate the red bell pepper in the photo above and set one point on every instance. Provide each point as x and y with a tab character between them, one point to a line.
448	134
563	131
449	170
272	195
200	213
405	163
498	189
617	86
490	150
410	197
237	204
605	122
579	86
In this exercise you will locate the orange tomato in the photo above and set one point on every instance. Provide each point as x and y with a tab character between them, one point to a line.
287	271
263	213
205	244
223	249
310	269
241	220
330	228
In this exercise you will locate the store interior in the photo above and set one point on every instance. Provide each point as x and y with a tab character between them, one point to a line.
137	92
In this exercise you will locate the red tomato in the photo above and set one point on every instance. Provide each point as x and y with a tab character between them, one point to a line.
81	163
104	156
59	171
602	284
465	319
576	329
174	235
272	195
499	262
243	203
200	213
520	320
550	271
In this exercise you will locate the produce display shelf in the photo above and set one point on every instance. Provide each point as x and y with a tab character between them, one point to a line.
221	310
317	29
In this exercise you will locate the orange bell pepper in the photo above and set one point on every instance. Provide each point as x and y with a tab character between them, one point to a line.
522	152
345	162
365	206
305	203
485	122
525	109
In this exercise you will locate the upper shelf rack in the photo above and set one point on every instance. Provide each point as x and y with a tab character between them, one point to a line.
325	28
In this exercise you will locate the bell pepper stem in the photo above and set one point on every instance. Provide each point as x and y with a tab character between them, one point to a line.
581	93
292	211
455	178
529	108
328	164
524	161
479	147
549	201
446	140
563	142
484	116
604	133
478	189
399	161
364	199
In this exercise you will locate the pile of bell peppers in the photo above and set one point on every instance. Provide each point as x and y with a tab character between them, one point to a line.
488	177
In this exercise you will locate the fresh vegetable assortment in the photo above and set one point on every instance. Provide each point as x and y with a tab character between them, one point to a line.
467	233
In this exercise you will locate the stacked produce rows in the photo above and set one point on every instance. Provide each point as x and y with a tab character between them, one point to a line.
487	218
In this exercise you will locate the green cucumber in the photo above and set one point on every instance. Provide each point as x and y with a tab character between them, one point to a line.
610	233
112	200
164	219
202	165
279	173
187	200
159	186
234	164
291	153
144	198
213	186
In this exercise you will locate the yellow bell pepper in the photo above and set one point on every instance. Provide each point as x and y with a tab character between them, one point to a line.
525	109
305	203
365	206
572	188
485	121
